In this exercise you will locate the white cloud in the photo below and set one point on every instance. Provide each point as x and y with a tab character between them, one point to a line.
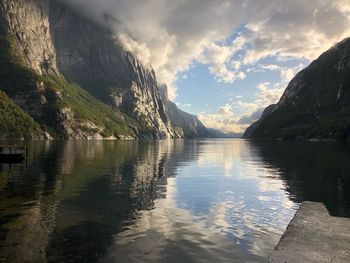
298	29
140	50
225	110
224	120
183	105
268	95
287	74
248	107
170	35
248	119
271	67
216	121
219	57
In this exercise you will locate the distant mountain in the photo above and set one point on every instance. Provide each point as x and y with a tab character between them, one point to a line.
74	80
185	124
316	103
219	134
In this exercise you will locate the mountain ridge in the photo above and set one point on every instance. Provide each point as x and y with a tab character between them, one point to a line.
186	124
316	103
74	79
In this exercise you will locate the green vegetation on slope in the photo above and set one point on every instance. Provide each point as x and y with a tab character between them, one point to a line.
86	107
14	123
16	77
101	90
14	74
291	122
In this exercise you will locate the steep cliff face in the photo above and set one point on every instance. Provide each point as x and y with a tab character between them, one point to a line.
316	103
186	125
28	21
25	53
89	55
249	132
46	49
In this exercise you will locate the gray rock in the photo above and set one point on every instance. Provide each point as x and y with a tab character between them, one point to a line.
314	236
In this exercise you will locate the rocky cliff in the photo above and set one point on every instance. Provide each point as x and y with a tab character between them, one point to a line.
73	78
316	103
185	124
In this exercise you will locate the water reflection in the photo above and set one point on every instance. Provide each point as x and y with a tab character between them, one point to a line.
194	201
313	171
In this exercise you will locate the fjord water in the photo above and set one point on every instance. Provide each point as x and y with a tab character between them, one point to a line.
163	201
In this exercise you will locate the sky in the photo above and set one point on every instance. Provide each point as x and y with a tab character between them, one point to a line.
224	60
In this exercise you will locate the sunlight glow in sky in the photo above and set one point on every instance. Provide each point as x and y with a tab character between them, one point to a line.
224	60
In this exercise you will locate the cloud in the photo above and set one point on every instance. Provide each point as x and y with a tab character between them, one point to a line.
170	35
271	67
298	29
221	123
219	59
287	74
187	105
268	95
224	120
246	106
225	110
249	119
139	50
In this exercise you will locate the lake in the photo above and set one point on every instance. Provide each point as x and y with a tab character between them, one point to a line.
163	201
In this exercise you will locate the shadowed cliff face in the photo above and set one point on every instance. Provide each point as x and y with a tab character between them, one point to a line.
315	103
26	52
28	20
53	47
89	55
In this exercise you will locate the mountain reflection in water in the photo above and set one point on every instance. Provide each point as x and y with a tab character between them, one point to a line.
163	201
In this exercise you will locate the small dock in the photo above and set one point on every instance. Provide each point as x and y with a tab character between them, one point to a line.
314	236
12	153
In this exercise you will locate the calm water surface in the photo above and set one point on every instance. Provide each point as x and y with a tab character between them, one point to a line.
167	201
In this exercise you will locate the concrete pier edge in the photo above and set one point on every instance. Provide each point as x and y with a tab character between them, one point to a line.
314	236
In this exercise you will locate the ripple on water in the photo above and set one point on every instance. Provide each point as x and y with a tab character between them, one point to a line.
166	201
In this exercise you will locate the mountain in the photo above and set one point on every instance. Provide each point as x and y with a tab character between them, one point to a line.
316	103
186	125
213	133
74	79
